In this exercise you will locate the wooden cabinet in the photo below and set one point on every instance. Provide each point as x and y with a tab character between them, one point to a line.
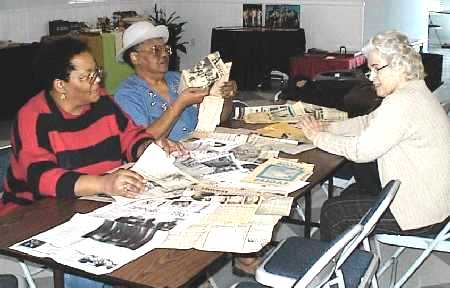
103	48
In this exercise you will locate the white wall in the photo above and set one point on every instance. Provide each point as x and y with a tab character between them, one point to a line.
27	20
328	24
443	20
407	16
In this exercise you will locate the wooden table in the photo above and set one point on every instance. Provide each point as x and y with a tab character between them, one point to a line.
157	268
325	166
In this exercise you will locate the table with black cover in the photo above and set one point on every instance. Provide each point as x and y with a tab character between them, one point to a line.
256	51
18	82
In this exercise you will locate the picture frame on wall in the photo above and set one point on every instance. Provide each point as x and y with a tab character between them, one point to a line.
282	16
252	15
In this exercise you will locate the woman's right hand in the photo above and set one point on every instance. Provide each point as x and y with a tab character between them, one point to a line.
124	182
192	95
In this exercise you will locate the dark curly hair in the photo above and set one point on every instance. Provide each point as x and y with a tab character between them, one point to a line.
53	60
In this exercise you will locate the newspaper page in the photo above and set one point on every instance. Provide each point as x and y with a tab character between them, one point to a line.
240	112
289	113
284	131
108	238
216	164
164	179
282	174
245	220
210	71
211	107
324	113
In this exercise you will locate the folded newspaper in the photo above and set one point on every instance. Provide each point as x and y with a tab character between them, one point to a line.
290	113
210	72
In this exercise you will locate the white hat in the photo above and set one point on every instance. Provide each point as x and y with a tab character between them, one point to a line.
138	33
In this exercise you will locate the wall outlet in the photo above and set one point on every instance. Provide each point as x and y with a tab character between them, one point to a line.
192	42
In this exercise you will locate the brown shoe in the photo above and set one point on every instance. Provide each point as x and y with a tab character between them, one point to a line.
246	266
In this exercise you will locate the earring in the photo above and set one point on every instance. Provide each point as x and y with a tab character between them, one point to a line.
63	96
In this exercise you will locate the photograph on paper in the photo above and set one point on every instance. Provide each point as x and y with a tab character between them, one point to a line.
282	16
252	15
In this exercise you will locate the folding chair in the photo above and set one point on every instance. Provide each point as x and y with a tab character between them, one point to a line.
428	244
4	165
316	271
298	262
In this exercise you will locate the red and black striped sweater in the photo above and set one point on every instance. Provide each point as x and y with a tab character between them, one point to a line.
52	149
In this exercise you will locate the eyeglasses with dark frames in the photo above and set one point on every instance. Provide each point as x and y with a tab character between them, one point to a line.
374	70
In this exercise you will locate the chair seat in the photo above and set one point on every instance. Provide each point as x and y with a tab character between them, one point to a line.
295	256
8	281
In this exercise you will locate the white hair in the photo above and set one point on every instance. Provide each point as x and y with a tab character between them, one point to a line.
395	49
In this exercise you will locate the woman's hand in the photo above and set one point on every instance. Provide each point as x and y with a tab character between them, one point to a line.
124	182
310	126
171	146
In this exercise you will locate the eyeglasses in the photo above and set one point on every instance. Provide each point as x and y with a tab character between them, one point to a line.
158	50
93	76
374	71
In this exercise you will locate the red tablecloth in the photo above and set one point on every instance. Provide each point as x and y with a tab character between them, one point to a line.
309	65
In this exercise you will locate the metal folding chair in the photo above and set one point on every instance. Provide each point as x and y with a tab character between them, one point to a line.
429	243
4	165
298	262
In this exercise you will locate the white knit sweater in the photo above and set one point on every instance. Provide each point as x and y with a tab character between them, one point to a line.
409	135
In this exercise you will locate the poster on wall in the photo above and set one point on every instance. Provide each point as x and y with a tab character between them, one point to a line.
252	15
282	16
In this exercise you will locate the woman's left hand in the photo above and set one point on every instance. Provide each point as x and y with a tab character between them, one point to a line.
228	89
171	146
310	126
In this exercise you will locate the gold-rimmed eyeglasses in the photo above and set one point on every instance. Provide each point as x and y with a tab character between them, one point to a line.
157	50
92	76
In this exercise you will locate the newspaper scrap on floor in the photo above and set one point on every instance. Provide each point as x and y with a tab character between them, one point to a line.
210	72
245	220
290	113
110	237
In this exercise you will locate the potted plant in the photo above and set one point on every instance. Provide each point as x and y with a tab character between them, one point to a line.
175	31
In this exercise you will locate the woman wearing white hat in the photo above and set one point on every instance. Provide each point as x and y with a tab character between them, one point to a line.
151	95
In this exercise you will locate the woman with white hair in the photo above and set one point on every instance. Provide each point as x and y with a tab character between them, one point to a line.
408	135
151	96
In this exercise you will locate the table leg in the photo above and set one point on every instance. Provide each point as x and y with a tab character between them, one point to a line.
308	205
58	278
330	187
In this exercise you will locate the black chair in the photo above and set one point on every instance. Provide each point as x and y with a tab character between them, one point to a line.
8	281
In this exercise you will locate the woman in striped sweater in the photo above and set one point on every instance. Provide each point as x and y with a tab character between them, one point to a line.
69	135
